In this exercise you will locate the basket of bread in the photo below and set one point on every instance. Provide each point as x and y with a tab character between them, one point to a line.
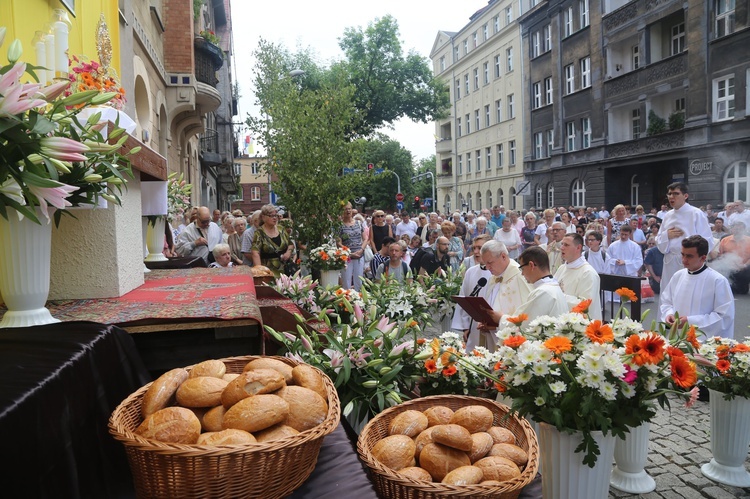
235	427
449	446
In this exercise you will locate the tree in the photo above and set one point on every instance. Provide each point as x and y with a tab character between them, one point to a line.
388	84
390	155
423	188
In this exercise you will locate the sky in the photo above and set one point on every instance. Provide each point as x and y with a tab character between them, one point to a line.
297	23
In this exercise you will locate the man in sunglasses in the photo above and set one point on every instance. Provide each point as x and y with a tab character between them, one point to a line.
200	237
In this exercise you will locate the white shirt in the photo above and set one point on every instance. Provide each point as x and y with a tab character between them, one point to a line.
691	220
508	295
580	281
546	298
743	217
510	238
541	231
627	251
598	260
409	228
185	245
705	298
461	320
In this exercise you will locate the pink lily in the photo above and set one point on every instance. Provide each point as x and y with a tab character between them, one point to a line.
52	195
358	314
12	77
693	397
52	92
384	326
398	349
12	103
337	358
11	189
63	144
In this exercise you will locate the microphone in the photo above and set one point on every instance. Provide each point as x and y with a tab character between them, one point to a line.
480	284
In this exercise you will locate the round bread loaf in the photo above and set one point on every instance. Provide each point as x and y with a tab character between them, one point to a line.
256	413
481	443
395	451
213	368
410	423
439	460
490	482
161	393
498	468
473	417
267	363
226	437
452	435
275	432
309	377
255	382
415	473
422	439
438	414
512	452
229	377
307	409
203	391
465	475
176	425
212	419
502	435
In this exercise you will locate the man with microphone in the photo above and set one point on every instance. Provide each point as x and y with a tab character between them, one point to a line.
474	284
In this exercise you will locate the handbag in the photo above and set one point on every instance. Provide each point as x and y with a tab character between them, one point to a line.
368	255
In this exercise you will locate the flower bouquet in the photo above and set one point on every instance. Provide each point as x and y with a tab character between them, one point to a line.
725	366
400	301
87	75
329	257
441	288
312	298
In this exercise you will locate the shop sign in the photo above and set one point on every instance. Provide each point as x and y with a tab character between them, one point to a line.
698	166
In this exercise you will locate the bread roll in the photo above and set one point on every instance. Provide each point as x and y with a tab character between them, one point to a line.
452	435
473	417
481	443
307	409
415	473
498	468
203	391
502	435
438	414
161	393
213	368
268	363
490	482
309	377
229	377
212	419
512	452
176	425
256	413
422	439
395	451
439	460
275	432
226	437
410	423
464	475
255	382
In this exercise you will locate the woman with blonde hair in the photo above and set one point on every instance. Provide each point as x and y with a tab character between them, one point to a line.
456	247
617	220
271	247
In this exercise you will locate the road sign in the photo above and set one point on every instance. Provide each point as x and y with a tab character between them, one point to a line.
348	171
523	188
428	202
378	171
399	197
399	205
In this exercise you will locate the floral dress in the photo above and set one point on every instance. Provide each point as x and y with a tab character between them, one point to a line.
271	249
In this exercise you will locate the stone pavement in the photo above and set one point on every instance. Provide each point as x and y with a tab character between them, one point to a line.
678	447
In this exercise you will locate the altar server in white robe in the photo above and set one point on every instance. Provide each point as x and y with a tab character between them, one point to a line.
595	254
682	221
625	256
578	279
547	297
461	320
698	294
508	287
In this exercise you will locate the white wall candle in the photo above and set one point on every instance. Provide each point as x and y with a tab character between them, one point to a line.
61	49
41	57
49	45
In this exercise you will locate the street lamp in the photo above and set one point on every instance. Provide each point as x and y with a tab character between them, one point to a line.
296	72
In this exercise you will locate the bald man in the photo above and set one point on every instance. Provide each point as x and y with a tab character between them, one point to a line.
200	237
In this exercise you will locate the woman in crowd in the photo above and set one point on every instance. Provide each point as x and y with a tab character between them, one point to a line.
227	227
618	220
529	231
222	256
235	240
352	235
507	235
379	230
271	247
414	245
456	248
432	236
570	227
479	228
421	222
516	222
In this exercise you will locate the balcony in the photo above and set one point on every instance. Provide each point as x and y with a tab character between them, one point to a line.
208	60
227	179
647	77
444	145
210	148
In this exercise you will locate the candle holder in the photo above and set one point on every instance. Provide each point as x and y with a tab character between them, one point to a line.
41	56
61	28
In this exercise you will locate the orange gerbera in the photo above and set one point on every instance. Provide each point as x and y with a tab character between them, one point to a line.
675	352
449	357
420	341
723	365
739	347
430	365
582	307
558	344
498	366
450	370
339	291
626	293
633	347
323	256
435	346
414	323
722	351
599	333
652	348
514	341
691	338
518	320
683	372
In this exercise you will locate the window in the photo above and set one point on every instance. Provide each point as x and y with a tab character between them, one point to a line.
512	196
455	54
468	162
678	38
460	164
635	121
254	168
546	38
578	193
570	79
548	90
509	58
508	15
496	22
476	78
568	22
475	39
476	120
724	98
635	56
735	182
500	197
466	47
442	63
586	72
458	88
499	108
497	66
466	84
537	93
634	188
485	32
468	124
539	145
255	194
487	116
538	197
458	121
550	142
488	153
512	152
570	135
679	105
550	195
479	160
511	107
583	10
499	155
486	68
585	133
724	17
536	42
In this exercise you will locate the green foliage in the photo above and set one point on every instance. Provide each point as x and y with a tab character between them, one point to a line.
656	124
677	120
197	4
423	188
388	154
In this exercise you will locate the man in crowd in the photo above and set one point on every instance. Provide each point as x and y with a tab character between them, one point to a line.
461	320
498	214
394	268
595	254
699	295
553	246
200	237
491	226
720	231
546	297
406	226
603	213
734	253
247	238
437	260
381	256
740	214
682	221
654	262
217	217
578	279
638	236
544	230
625	256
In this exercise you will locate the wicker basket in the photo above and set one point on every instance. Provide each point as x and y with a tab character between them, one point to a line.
267	470
390	484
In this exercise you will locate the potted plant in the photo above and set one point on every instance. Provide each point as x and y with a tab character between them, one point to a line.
329	259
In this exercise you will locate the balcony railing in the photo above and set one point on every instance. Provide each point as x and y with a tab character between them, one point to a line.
444	145
208	60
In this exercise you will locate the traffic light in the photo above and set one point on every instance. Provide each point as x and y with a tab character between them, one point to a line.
370	166
416	202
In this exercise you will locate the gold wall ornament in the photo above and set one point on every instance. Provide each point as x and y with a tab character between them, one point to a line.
103	43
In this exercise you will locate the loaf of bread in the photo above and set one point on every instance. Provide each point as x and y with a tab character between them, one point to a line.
438	414
176	425
309	377
275	432
502	435
161	393
267	363
307	409
203	391
256	413
498	468
473	417
439	460
415	473
464	475
410	423
452	435
213	418
255	382
511	452
481	443
213	368
226	437
395	452
422	439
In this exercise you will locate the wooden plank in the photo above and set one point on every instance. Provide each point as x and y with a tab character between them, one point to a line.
147	161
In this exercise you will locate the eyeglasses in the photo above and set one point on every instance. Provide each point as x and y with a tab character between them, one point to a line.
274	215
379	216
204	222
590	240
522	266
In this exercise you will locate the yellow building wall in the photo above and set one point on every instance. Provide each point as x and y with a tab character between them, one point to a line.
24	17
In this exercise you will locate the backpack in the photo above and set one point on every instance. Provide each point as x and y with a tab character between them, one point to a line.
601	250
416	261
404	267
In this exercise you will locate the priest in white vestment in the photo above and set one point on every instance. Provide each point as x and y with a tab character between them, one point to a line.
461	321
682	221
578	279
625	256
698	294
547	297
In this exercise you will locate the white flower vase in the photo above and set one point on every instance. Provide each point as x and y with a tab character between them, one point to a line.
155	240
730	437
329	278
24	270
631	454
565	476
